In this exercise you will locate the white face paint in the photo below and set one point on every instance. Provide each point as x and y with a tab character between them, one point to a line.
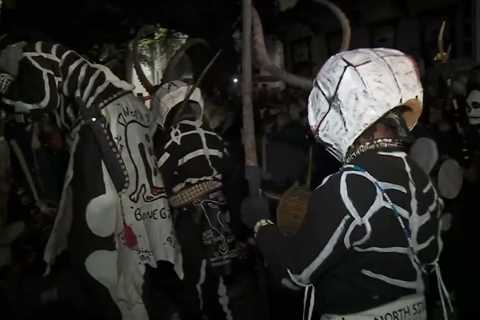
354	89
473	107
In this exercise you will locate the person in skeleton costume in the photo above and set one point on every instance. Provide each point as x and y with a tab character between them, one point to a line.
191	160
113	210
371	231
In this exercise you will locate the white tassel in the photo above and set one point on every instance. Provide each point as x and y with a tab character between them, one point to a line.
311	302
443	292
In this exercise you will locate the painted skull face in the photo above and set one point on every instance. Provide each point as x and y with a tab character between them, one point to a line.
473	107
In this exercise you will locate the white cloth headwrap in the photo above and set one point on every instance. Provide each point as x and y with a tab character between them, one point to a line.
169	95
354	89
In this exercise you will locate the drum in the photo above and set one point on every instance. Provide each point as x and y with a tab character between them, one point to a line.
425	153
293	204
292	207
450	179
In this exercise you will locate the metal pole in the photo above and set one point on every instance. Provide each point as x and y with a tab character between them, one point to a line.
251	162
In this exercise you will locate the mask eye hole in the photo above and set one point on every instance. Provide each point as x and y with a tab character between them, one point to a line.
475	105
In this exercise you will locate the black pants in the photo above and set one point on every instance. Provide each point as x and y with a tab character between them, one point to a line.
202	292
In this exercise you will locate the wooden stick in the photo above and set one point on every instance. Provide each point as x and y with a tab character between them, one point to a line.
249	142
252	171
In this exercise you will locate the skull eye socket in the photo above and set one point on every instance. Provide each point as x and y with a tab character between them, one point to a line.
475	105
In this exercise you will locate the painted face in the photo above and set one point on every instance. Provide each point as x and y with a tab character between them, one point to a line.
473	107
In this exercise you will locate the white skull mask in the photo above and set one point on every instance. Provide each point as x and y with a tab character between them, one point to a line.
473	107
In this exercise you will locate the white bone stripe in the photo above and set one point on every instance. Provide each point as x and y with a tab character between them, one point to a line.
199	153
402	250
163	159
200	282
304	277
396	282
223	299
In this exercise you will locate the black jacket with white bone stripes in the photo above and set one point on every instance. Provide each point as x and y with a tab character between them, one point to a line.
351	245
48	73
189	153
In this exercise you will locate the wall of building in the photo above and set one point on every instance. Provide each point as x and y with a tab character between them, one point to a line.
411	26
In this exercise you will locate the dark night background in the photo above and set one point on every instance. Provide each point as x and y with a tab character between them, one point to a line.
409	25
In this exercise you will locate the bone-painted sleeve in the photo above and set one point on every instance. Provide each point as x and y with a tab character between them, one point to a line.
36	85
428	240
48	73
316	246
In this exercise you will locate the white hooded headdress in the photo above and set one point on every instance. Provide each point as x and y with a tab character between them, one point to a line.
355	88
171	94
